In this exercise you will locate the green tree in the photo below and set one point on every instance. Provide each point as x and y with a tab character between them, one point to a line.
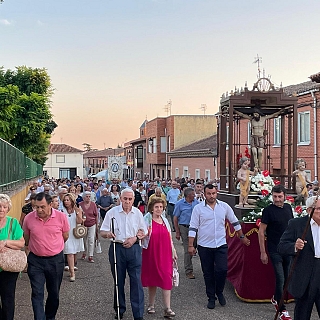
87	146
25	115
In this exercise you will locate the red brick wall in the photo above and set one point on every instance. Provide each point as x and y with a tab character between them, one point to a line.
193	164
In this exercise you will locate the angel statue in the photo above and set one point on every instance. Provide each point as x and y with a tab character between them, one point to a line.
301	178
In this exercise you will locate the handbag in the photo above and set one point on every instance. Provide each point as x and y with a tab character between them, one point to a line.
175	274
97	246
80	231
12	260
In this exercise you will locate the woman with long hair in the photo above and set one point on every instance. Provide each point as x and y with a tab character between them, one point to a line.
73	245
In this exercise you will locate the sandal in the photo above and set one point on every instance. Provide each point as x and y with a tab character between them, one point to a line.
83	257
168	313
151	310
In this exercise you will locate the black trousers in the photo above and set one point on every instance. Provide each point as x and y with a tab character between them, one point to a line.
45	271
8	282
304	305
214	264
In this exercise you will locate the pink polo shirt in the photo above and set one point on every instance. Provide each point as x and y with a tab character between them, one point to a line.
46	238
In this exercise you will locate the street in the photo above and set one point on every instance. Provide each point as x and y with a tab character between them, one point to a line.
90	297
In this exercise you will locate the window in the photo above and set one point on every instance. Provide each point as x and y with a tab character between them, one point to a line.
304	127
163	144
249	134
150	142
207	174
177	172
60	159
155	146
139	156
277	131
197	174
185	172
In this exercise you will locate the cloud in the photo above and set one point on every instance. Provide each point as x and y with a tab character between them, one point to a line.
40	23
6	22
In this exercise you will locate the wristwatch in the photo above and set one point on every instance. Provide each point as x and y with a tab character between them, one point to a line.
242	236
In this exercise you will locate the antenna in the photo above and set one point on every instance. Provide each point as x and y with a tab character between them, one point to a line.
258	60
167	107
203	108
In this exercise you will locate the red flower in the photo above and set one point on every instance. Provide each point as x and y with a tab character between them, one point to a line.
276	182
258	222
264	192
298	209
290	198
262	184
265	173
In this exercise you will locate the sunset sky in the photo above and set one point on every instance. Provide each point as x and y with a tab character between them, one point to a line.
114	63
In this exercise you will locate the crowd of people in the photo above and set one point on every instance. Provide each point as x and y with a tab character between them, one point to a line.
141	217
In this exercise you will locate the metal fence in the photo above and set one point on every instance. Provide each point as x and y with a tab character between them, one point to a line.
15	166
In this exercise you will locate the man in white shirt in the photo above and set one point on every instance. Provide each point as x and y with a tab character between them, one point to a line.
208	219
129	229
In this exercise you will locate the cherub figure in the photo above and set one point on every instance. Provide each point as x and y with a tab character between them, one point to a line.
301	178
243	176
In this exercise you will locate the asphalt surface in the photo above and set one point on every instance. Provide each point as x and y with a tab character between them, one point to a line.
90	297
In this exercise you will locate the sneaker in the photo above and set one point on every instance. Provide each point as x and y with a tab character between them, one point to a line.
285	315
66	268
90	259
75	269
274	303
221	299
211	304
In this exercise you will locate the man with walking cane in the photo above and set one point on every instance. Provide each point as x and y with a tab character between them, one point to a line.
125	225
302	240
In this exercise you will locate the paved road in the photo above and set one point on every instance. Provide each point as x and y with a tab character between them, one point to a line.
90	297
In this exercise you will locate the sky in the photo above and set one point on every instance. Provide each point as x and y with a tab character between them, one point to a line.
115	63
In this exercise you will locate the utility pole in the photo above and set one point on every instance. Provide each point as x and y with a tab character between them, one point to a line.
167	107
203	108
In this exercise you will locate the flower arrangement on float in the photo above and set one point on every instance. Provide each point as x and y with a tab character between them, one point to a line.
266	199
262	183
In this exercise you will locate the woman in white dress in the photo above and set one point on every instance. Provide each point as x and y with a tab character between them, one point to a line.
73	245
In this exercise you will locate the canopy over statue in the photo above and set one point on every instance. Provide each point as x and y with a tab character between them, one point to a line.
246	119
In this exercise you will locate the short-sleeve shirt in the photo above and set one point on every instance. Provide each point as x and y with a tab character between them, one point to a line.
276	219
46	237
16	231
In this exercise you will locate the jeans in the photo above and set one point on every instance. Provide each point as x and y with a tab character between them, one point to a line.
49	271
8	282
214	264
281	266
170	210
128	260
89	241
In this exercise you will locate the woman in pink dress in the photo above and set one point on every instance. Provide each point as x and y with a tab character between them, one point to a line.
157	256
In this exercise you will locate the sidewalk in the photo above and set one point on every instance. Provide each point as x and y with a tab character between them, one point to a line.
90	297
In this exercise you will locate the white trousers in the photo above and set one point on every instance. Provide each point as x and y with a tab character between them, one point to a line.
89	241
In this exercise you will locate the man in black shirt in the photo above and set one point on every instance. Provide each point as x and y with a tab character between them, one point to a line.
104	203
274	222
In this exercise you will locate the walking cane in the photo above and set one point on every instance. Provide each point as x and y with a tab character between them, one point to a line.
115	268
285	289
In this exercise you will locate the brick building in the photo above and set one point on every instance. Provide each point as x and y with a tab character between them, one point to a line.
149	154
195	160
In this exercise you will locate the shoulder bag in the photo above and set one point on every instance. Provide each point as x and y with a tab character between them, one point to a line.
80	231
175	275
12	260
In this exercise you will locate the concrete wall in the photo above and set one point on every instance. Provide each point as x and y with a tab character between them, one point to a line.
72	160
18	202
188	129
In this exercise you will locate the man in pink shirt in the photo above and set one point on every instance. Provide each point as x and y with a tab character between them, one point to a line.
45	232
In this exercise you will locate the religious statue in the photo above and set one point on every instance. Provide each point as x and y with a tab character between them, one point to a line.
258	133
301	178
243	175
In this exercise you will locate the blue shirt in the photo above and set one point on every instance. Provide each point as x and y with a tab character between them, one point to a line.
183	210
172	196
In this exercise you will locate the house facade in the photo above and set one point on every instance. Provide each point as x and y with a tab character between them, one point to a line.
64	161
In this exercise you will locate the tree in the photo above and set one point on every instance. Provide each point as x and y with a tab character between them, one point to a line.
87	146
25	116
